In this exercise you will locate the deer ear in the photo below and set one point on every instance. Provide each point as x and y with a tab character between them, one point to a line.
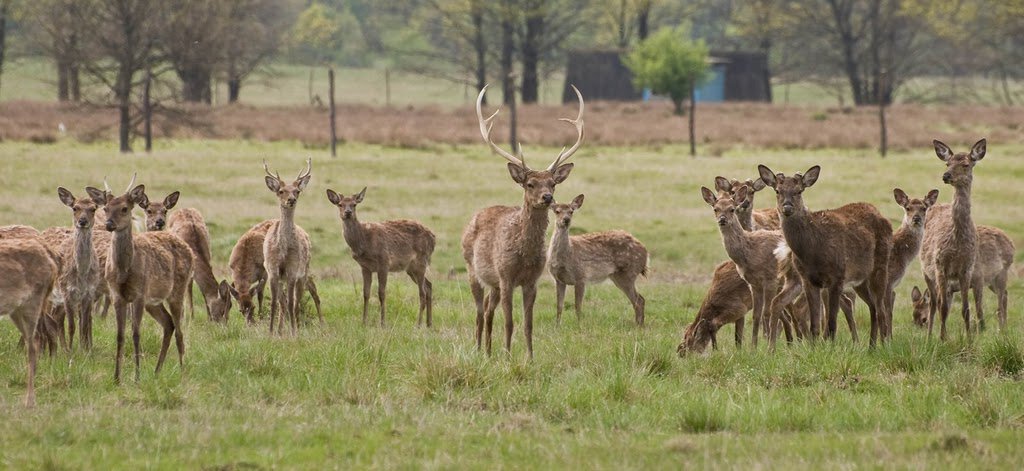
272	183
98	196
942	150
577	202
333	197
742	193
811	176
255	287
756	185
171	200
901	197
66	197
518	173
767	176
978	150
233	291
224	289
915	294
562	172
708	195
932	197
302	182
723	184
360	195
138	196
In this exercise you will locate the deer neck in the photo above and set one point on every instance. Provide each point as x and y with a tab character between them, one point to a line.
906	243
122	252
203	272
532	228
83	250
355	233
800	233
286	226
734	237
560	252
963	226
746	218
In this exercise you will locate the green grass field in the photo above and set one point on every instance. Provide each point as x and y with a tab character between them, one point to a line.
601	393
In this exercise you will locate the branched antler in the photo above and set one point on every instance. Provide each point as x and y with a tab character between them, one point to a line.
486	124
564	155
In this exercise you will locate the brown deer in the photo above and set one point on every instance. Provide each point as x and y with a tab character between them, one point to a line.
950	245
156	213
389	246
906	241
247	273
503	245
752	251
286	249
81	275
189	225
592	258
833	248
727	302
750	219
17	231
147	271
24	297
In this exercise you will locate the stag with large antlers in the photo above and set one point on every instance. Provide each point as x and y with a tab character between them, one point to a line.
504	245
286	249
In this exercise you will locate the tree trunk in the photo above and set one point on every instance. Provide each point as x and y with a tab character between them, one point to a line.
766	46
531	56
74	82
693	119
62	80
479	45
234	88
124	104
330	99
195	85
4	6
507	49
643	18
147	111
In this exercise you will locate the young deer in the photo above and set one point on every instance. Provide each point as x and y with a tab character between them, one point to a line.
833	248
727	302
81	275
189	225
30	276
503	245
248	274
286	249
752	251
750	219
156	213
906	241
389	246
144	272
592	258
950	245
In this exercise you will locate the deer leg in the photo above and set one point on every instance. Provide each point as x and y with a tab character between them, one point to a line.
192	304
417	278
382	284
367	282
846	304
85	314
71	314
428	290
864	291
136	311
577	291
756	295
979	295
478	298
933	301
293	303
559	300
275	298
177	311
59	313
120	316
162	317
507	292
943	294
790	290
965	304
999	288
492	305
27	323
311	288
261	285
627	285
529	297
738	332
813	296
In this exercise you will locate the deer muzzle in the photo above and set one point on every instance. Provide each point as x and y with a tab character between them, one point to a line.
946	177
787	209
109	226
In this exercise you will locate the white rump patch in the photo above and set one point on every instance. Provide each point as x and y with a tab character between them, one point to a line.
781	251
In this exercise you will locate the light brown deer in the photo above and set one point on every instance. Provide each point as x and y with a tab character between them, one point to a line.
592	258
156	213
503	245
726	302
24	297
389	246
149	271
189	225
950	244
906	241
750	218
286	249
833	248
81	275
17	231
247	273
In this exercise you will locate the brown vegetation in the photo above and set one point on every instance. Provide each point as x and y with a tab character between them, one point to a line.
720	126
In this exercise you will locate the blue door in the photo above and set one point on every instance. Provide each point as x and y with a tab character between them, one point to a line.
714	89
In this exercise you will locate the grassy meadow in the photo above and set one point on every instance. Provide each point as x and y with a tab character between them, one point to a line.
601	393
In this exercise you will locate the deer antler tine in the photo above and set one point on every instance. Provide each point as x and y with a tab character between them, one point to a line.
266	168
578	123
106	186
131	183
309	168
486	125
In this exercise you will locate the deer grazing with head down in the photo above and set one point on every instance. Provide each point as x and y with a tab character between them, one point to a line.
833	248
286	249
148	272
504	245
592	258
726	302
950	245
389	246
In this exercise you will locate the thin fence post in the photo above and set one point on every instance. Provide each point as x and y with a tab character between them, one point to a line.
387	86
334	130
147	111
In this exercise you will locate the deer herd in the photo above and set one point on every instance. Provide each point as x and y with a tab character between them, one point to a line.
790	265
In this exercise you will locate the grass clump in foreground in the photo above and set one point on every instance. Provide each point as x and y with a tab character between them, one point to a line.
601	392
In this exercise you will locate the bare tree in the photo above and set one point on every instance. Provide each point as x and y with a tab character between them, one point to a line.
256	29
546	27
57	26
191	34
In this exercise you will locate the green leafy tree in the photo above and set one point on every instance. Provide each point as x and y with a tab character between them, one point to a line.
669	64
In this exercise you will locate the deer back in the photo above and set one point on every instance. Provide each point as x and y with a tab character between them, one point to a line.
600	254
995	255
17	231
397	244
36	275
161	265
850	240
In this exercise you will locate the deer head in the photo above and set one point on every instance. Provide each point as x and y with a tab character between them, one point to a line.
959	167
540	185
696	338
346	204
789	190
564	212
729	187
156	213
288	194
726	206
118	209
921	302
914	209
83	211
219	306
244	298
